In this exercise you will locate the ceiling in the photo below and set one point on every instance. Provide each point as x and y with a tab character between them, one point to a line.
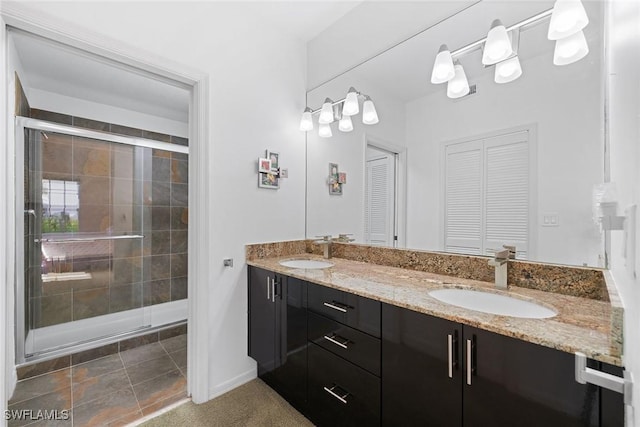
51	67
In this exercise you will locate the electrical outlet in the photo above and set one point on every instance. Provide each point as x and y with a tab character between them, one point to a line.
550	219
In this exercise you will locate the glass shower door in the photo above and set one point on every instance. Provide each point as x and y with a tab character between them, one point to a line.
84	240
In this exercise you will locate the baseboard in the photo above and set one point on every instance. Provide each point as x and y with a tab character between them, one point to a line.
234	382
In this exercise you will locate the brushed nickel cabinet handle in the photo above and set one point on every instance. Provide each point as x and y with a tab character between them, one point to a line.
332	339
331	391
469	362
268	288
335	307
450	354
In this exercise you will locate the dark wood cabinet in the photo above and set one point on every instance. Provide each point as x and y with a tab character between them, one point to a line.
443	373
346	360
421	369
514	382
278	332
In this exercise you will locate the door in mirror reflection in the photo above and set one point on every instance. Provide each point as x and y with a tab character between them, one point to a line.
380	220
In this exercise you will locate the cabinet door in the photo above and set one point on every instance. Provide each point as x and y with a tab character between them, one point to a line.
513	382
262	320
421	376
290	373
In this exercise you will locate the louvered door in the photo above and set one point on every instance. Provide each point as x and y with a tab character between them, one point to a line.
507	193
463	198
379	201
487	193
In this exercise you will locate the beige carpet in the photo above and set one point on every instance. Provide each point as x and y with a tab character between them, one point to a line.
252	404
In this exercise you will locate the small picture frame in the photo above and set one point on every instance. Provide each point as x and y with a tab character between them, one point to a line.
264	165
284	173
342	177
335	189
268	180
274	158
333	171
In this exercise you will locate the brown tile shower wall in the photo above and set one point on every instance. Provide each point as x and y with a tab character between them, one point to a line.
116	197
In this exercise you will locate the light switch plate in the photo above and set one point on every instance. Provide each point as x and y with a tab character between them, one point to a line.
550	219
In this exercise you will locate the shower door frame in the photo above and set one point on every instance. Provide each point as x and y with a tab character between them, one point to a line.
16	15
21	124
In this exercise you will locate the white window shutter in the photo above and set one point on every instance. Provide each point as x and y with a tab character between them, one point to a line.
378	202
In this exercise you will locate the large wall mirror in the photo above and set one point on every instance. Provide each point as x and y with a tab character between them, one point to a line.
514	163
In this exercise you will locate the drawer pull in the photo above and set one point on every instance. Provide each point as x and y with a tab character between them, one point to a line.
450	354
469	362
333	339
335	306
342	398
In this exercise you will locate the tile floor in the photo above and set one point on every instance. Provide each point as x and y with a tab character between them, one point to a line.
110	391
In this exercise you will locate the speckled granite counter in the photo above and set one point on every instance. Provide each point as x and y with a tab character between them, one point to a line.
590	326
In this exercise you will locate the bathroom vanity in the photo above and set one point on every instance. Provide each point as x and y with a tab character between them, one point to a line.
365	344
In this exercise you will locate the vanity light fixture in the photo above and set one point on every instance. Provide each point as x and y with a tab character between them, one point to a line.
500	47
568	18
326	113
324	130
345	124
369	113
458	86
497	46
443	69
508	70
351	106
306	123
340	110
570	49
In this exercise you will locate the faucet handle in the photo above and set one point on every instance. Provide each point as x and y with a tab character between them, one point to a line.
512	251
326	238
502	255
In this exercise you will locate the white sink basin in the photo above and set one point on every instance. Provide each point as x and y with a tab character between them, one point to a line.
305	263
487	302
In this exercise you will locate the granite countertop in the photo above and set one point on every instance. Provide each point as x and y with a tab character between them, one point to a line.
586	325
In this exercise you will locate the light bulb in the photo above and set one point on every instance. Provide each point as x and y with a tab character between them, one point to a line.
497	47
345	124
570	49
507	71
326	114
306	123
443	66
568	17
369	114
351	107
324	130
458	86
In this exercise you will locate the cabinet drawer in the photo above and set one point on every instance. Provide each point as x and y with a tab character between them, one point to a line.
340	393
352	310
351	344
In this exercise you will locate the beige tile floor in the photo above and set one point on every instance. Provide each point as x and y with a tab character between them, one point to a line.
110	391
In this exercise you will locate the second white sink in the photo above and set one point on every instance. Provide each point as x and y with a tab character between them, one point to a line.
306	263
487	302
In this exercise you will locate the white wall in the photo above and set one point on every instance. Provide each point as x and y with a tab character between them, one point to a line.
336	214
257	91
51	101
367	30
565	103
624	134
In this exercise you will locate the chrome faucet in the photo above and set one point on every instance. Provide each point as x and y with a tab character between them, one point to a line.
326	241
499	261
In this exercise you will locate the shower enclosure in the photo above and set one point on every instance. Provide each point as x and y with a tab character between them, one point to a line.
104	250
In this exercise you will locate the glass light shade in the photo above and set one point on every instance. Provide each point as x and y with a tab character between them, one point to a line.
443	66
306	123
324	130
345	124
351	107
498	45
326	113
568	17
507	71
369	114
570	49
458	86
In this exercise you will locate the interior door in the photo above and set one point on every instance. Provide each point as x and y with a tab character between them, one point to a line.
380	200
